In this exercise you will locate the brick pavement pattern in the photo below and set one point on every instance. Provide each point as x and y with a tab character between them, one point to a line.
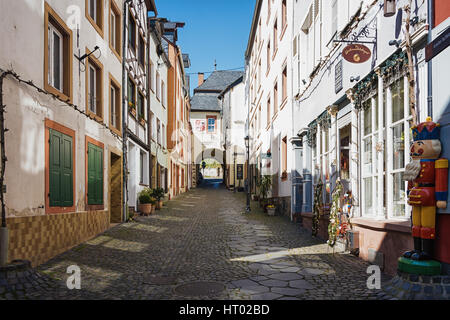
204	235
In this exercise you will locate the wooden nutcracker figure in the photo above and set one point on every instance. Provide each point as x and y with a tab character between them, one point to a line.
427	187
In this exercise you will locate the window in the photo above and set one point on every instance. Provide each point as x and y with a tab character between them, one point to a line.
152	74
268	111
158	86
131	94
152	123
163	135
268	8
60	169
140	107
275	98
284	84
268	55
115	28
57	56
163	93
94	87
211	124
141	167
94	172
114	104
284	158
158	128
94	13
275	37
131	31
334	18
283	15
141	53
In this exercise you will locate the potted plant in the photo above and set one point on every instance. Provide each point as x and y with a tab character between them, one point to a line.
158	194
270	210
145	201
153	202
264	186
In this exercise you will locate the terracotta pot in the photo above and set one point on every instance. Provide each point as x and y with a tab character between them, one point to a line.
159	205
146	208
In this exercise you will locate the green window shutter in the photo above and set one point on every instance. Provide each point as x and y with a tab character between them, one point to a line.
95	175
60	170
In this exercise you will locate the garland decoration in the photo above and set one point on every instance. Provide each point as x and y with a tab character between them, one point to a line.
317	208
333	227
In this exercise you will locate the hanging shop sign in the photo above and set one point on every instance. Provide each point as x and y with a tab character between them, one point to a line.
338	80
438	45
356	53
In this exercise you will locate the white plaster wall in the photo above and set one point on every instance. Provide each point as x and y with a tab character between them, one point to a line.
24	53
209	140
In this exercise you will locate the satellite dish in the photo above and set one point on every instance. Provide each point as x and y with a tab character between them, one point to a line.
398	23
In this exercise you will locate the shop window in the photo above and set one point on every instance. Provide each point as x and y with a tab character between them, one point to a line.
141	167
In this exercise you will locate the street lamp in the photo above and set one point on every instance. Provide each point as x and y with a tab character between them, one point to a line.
247	145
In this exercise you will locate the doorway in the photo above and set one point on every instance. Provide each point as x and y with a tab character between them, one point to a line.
115	187
344	156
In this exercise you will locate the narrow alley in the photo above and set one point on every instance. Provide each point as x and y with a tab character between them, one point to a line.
203	246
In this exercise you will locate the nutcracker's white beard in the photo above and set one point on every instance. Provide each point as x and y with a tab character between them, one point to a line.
412	170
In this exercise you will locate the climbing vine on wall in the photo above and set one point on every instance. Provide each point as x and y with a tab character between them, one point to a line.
333	227
317	207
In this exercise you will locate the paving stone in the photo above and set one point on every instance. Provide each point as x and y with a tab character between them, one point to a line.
286	276
266	296
300	284
287	291
311	271
244	283
274	283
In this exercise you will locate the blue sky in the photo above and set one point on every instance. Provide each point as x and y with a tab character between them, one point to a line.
215	29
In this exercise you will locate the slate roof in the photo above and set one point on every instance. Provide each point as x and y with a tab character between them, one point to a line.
219	80
206	96
205	102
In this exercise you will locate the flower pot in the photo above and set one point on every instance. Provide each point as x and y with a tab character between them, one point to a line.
270	211
145	208
159	205
153	209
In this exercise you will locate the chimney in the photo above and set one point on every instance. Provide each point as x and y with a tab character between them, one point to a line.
201	78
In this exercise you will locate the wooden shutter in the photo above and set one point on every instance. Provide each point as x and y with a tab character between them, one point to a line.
95	175
60	170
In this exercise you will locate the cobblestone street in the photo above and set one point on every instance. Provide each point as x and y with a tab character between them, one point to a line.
203	236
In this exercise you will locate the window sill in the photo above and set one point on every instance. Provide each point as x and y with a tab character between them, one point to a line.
59	210
94	116
58	93
115	52
115	130
383	225
95	207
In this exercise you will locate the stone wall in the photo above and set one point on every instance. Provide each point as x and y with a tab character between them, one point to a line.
40	238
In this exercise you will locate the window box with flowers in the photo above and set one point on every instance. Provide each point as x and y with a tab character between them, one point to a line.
142	120
132	108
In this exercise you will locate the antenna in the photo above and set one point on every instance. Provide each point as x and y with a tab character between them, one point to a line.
215	65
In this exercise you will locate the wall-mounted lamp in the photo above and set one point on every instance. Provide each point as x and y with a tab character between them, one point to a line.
304	81
395	43
84	56
414	21
389	8
353	79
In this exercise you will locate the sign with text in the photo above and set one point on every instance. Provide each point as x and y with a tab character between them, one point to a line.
356	53
200	125
240	171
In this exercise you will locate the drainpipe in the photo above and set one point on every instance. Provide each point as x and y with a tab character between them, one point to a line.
149	124
430	63
124	112
293	169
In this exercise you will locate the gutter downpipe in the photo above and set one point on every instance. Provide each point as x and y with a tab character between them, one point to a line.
149	124
293	169
124	113
430	63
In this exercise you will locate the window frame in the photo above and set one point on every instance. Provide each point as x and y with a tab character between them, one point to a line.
99	13
142	44
130	80
140	96
118	101
117	49
93	207
53	19
207	124
50	124
98	66
134	47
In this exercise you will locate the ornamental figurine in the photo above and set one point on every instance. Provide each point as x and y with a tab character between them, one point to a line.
427	187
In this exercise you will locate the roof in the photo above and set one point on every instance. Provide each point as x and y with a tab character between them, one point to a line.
251	37
205	102
219	81
151	6
232	85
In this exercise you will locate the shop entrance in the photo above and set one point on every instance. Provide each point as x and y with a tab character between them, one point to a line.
344	156
115	187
